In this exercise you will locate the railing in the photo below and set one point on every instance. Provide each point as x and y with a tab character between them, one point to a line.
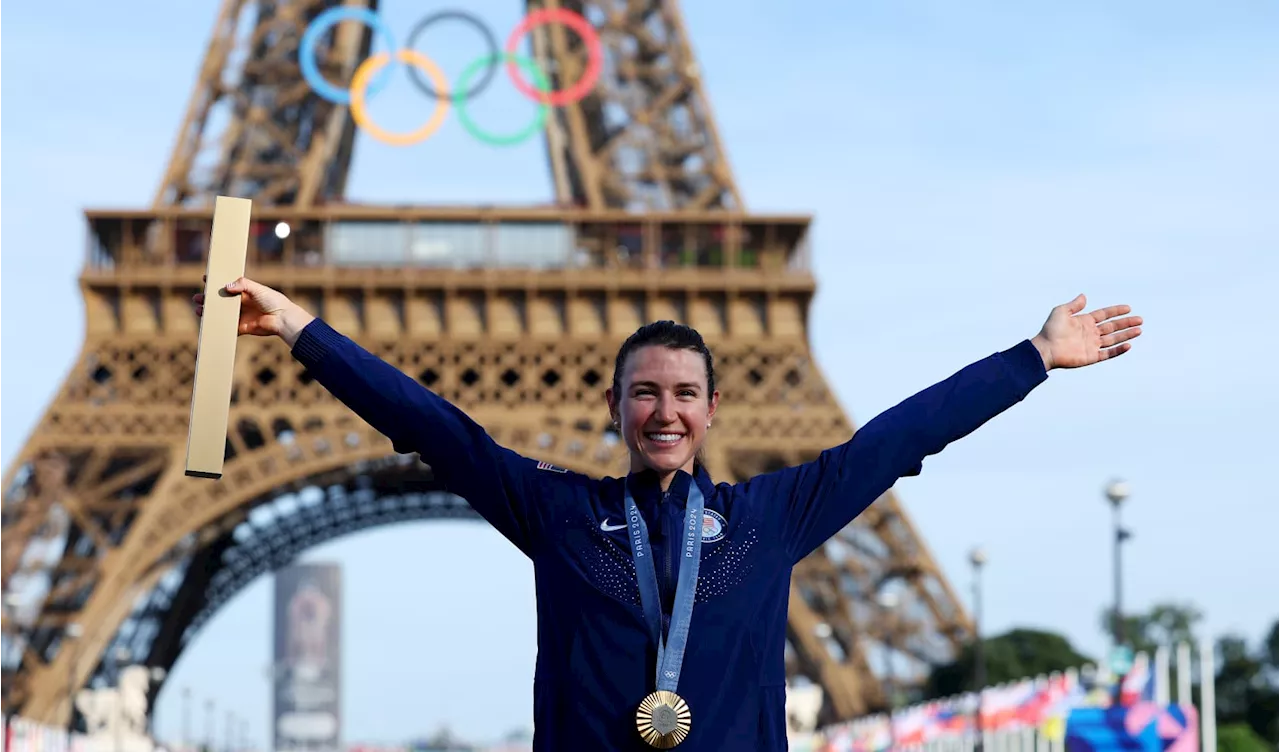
353	237
1037	715
23	735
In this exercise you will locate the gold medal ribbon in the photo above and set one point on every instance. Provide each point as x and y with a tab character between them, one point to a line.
663	718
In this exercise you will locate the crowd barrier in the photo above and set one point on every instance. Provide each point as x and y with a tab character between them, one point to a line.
1081	710
22	735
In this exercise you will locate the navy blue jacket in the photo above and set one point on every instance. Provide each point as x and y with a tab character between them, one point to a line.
595	659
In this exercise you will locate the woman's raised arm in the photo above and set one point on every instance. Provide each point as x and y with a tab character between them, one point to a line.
815	500
494	480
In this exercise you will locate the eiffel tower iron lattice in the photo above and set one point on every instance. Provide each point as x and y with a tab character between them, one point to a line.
102	530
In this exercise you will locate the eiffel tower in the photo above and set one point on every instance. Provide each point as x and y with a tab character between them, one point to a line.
108	547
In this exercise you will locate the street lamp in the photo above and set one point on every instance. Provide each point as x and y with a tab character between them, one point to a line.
1117	492
157	675
72	633
887	602
209	707
186	719
231	731
978	558
9	604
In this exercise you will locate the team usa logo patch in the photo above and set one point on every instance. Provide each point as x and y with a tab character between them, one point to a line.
553	468
713	526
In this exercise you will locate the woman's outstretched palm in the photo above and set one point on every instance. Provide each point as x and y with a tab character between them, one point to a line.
261	308
1075	340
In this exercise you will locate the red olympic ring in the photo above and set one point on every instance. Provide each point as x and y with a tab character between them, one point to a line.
595	56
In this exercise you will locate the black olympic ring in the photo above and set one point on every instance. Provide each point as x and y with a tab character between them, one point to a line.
494	55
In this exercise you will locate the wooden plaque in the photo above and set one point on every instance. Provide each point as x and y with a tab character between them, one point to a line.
216	353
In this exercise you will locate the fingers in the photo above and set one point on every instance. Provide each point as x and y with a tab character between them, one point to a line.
1110	312
1077	304
241	284
1108	327
244	284
1118	337
1114	352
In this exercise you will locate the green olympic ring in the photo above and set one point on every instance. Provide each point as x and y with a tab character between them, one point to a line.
460	99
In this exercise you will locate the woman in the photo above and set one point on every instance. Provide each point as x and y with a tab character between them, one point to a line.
662	596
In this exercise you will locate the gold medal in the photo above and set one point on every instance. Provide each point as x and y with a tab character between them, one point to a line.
663	719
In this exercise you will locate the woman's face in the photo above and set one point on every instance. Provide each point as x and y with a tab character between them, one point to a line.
663	410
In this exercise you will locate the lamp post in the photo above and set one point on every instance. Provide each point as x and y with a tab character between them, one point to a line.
1117	492
210	707
122	657
977	558
72	633
186	719
156	674
9	604
888	601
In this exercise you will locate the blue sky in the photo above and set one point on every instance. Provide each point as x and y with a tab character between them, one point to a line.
970	165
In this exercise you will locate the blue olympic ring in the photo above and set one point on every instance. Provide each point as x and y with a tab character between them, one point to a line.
311	37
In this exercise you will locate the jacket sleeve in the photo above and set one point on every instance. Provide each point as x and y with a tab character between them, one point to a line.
813	501
495	481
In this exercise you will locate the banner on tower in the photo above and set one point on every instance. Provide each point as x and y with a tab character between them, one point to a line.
307	659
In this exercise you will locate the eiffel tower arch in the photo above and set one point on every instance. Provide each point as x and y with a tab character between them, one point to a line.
101	529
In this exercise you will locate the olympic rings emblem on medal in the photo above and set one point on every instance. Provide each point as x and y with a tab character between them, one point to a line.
372	73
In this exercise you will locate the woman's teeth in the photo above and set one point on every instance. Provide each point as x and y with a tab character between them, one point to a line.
664	438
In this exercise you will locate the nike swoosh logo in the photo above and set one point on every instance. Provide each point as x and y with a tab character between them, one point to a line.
605	526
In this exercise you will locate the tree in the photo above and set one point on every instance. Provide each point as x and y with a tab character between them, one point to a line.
1166	624
1017	654
1272	647
1238	737
1245	685
1237	678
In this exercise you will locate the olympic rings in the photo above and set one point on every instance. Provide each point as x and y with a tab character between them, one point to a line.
540	80
363	85
490	42
360	82
595	55
310	37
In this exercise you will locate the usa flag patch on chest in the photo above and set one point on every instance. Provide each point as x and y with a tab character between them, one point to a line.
553	468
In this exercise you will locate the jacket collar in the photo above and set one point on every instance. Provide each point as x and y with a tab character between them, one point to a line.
644	485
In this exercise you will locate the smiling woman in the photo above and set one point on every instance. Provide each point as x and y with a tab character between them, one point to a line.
663	398
649	641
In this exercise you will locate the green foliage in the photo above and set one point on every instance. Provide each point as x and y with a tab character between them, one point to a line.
1245	686
1017	654
1239	737
1165	624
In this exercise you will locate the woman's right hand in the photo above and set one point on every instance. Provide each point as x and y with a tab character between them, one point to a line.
263	311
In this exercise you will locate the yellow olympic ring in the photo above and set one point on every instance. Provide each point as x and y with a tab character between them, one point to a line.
360	84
